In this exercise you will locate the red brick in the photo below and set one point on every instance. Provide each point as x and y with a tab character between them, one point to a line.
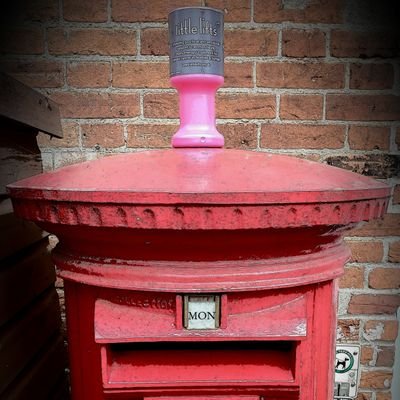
97	104
301	107
320	11
103	135
353	278
300	75
154	42
371	251
135	74
70	137
38	11
371	76
37	74
383	396
367	355
161	105
362	107
245	42
150	135
293	136
396	195
384	278
364	396
373	304
147	10
369	138
363	44
88	74
239	136
107	42
238	74
85	10
381	330
394	252
303	43
234	10
376	379
348	330
385	357
244	105
388	226
21	40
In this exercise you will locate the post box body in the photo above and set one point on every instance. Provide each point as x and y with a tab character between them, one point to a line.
146	238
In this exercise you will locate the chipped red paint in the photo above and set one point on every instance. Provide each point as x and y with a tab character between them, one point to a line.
139	231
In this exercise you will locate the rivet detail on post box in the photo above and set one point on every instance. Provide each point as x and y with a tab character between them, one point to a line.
201	312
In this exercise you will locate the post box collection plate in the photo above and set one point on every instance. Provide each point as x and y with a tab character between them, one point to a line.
200	273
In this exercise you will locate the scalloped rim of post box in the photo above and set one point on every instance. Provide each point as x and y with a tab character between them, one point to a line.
200	189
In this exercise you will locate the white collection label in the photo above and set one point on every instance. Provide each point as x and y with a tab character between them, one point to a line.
201	312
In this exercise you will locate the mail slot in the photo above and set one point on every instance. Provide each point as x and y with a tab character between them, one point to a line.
199	273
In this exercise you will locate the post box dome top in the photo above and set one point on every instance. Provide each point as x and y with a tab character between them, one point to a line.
200	189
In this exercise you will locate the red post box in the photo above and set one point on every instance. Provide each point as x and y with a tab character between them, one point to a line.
200	273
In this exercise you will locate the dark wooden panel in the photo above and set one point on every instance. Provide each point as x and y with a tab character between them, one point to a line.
15	233
23	278
22	338
44	378
21	103
19	154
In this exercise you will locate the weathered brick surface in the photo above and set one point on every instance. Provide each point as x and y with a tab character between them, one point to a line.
374	304
150	135
369	137
140	75
238	75
316	11
384	396
371	76
97	105
89	74
378	379
367	354
243	105
389	225
161	105
370	251
363	107
396	195
102	135
381	330
154	41
394	252
385	356
245	42
239	136
70	137
300	75
381	166
36	73
303	43
147	10
353	278
364	44
85	11
110	42
293	136
301	107
348	330
234	10
384	278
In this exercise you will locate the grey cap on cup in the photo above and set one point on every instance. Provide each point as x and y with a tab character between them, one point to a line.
196	41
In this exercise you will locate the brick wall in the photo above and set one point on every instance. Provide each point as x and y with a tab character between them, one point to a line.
312	78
